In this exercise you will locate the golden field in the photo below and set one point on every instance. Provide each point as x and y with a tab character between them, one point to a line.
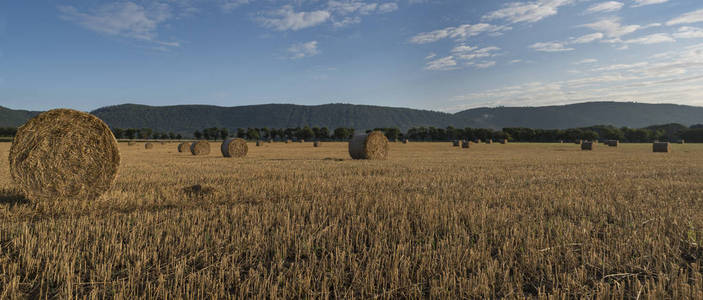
433	221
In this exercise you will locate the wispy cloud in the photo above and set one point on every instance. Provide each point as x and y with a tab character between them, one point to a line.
586	61
612	28
609	6
550	47
687	18
458	33
648	2
301	50
651	39
687	32
230	5
441	64
529	12
587	38
125	19
286	18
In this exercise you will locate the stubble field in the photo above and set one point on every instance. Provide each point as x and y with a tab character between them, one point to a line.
290	220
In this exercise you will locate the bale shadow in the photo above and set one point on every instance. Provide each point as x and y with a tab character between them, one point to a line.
12	197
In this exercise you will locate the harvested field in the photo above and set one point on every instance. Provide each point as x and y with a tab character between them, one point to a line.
519	220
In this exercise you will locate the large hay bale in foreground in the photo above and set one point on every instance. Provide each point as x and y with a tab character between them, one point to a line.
465	144
661	147
148	146
64	154
200	148
234	148
183	147
587	146
373	145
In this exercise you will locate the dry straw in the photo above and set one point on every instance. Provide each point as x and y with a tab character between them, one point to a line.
183	147
661	147
64	154
369	146
234	148
200	148
587	145
148	146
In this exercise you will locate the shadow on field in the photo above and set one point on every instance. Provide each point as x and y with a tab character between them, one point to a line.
12	197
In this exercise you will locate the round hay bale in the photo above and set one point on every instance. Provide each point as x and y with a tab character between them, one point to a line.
301	141
587	145
373	145
64	154
287	141
234	148
200	148
148	146
316	144
661	147
405	141
489	142
503	141
465	144
183	147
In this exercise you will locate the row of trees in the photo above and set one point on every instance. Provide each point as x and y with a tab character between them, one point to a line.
8	131
144	133
305	133
666	132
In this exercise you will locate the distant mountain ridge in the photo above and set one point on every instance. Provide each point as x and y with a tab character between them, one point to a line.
185	119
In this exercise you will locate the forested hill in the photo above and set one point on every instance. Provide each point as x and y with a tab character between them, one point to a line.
185	119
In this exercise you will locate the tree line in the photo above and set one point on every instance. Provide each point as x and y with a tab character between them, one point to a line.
667	132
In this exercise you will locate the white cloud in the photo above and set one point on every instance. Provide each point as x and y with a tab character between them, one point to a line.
463	48
514	61
230	5
687	32
587	38
651	39
687	18
301	50
431	55
612	28
484	65
586	61
345	8
550	47
459	33
441	64
677	74
286	18
530	12
609	6
125	19
346	21
387	7
647	2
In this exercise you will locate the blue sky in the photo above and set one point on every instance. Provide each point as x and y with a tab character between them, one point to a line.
438	55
